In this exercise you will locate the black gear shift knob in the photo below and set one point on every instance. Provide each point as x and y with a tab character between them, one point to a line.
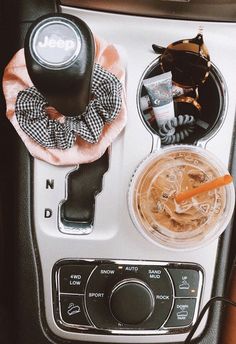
59	53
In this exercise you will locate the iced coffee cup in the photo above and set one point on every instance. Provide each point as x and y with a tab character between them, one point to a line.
192	222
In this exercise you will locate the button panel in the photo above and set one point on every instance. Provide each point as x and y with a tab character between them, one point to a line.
83	291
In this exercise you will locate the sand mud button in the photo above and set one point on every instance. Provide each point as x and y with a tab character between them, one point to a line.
55	43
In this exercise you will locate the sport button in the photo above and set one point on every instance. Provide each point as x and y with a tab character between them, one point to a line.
182	314
73	278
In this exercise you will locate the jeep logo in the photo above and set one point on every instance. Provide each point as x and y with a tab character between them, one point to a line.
66	45
55	44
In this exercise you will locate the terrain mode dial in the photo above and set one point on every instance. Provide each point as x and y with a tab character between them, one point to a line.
131	301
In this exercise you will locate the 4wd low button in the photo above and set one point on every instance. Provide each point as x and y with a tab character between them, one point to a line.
73	278
182	314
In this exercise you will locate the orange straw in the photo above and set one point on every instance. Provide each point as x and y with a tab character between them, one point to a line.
215	183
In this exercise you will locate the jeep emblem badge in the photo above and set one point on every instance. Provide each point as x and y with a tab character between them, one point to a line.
56	43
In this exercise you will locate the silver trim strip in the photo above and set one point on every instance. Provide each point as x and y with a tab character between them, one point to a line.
220	81
62	227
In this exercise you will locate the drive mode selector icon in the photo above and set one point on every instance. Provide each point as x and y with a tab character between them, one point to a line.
55	43
132	301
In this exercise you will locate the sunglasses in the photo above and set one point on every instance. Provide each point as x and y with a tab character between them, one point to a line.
187	59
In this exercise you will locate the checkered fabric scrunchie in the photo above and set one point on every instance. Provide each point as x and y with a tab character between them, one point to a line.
104	107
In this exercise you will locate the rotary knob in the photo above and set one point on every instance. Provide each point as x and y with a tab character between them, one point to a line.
131	301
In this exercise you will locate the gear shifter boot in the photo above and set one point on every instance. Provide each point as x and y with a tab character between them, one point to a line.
83	184
16	80
59	53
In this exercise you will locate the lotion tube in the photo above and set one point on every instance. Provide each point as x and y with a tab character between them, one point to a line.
159	89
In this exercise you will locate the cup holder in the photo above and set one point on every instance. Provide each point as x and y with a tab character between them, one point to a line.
213	98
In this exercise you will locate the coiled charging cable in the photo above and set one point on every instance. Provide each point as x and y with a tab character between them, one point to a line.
185	125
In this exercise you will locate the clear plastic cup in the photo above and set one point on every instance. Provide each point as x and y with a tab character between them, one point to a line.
189	224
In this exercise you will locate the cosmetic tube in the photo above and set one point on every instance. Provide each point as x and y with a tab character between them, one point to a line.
177	91
159	89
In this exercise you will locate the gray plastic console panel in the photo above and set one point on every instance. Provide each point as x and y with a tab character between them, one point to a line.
114	236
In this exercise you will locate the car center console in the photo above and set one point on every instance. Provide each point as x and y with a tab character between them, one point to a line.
112	223
105	282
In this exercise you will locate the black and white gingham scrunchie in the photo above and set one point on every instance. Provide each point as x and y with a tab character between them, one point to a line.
104	107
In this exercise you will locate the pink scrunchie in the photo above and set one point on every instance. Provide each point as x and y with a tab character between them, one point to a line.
16	79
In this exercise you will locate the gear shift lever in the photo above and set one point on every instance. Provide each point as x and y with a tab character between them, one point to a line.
59	53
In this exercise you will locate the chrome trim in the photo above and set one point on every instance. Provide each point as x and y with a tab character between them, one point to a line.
62	227
85	292
223	90
93	329
174	297
156	141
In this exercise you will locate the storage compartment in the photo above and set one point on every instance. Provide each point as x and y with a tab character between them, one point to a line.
212	97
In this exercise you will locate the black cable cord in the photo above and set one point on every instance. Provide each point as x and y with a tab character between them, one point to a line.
202	313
